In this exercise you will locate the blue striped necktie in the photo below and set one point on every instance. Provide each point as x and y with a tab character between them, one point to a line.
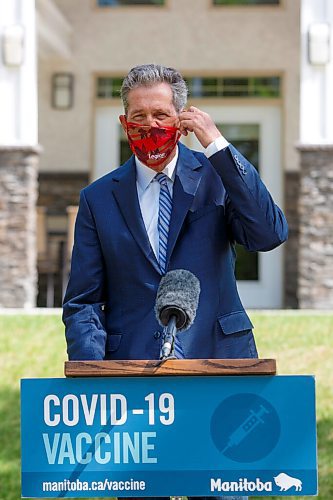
164	216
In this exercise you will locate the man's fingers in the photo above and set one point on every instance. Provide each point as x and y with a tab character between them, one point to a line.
186	115
186	123
195	115
192	109
199	122
186	127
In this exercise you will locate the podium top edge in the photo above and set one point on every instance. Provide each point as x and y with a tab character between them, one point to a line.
170	367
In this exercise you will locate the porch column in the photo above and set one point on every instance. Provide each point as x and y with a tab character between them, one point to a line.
18	154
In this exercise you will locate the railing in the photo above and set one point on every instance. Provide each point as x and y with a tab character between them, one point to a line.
54	248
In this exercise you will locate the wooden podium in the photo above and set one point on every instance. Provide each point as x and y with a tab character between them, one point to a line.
169	367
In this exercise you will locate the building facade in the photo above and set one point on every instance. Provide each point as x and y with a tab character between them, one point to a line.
245	63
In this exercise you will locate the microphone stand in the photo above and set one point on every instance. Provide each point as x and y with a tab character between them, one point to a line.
168	346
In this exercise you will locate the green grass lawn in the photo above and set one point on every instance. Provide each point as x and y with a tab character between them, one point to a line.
33	346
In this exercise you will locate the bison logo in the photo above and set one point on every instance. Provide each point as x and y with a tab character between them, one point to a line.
286	482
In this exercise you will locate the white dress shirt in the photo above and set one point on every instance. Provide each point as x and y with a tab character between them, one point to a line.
148	189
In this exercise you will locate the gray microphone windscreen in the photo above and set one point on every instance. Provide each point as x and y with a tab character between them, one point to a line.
178	289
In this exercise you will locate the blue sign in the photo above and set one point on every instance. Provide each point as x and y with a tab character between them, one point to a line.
168	436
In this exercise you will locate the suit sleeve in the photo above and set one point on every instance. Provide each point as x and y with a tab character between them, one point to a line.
83	313
254	219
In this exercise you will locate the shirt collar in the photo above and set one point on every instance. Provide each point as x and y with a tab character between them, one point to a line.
144	174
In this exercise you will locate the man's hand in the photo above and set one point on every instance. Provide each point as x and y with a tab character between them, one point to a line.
199	122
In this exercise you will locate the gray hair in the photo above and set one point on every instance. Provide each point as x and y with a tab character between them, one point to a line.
151	74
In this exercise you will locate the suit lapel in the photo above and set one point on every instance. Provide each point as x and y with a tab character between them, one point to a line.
125	193
187	180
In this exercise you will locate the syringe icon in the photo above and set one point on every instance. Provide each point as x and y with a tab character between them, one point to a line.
249	424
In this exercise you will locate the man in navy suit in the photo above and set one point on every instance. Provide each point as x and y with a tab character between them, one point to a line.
218	199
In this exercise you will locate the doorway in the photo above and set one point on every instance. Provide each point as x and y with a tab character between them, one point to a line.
256	132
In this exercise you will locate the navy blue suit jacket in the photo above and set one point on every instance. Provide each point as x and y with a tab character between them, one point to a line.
109	304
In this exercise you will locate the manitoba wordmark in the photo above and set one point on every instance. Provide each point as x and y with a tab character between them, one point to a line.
242	484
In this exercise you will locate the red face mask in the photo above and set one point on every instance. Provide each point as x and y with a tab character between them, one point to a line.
152	145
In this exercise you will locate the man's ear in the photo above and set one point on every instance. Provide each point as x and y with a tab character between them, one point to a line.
123	121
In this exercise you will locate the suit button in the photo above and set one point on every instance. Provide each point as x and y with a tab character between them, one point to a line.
157	335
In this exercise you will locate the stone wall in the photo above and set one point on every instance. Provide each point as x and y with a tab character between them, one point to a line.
291	247
315	282
18	194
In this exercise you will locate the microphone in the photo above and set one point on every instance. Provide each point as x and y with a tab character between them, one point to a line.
176	306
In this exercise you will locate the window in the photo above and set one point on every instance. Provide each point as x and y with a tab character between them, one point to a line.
113	3
62	90
234	86
246	2
108	88
239	87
